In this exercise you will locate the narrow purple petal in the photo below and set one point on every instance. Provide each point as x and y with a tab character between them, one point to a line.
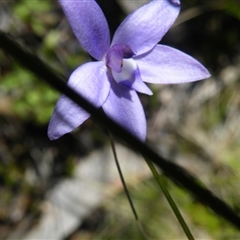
177	2
137	84
166	65
90	81
123	106
145	27
89	25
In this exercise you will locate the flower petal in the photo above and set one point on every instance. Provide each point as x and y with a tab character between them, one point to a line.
136	83
166	65
145	27
89	25
90	81
123	106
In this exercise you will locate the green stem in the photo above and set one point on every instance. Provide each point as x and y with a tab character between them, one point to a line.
160	179
125	187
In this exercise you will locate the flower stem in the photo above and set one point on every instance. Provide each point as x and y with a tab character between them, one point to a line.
125	187
160	180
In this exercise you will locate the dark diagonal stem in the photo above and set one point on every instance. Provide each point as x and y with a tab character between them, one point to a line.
176	173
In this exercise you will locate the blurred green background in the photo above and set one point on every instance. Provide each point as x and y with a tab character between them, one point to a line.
196	125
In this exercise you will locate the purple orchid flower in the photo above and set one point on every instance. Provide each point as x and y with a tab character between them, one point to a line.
133	57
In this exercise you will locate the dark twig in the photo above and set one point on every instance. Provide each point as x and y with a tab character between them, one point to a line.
173	171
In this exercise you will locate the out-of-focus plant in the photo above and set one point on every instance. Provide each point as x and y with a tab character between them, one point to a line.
29	103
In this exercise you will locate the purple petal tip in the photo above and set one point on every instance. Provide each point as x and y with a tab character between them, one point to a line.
175	2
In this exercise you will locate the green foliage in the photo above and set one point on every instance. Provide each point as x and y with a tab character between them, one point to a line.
34	13
32	99
157	218
232	7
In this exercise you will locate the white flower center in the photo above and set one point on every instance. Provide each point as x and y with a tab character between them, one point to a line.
127	70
